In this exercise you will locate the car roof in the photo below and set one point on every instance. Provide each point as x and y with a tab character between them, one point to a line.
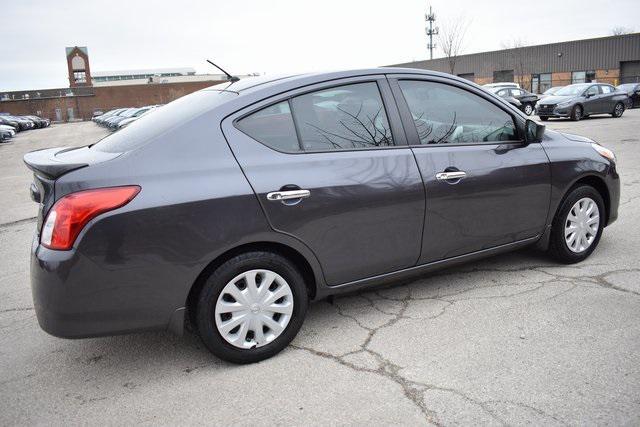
250	84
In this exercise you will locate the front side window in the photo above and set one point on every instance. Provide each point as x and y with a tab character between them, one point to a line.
446	114
593	90
344	117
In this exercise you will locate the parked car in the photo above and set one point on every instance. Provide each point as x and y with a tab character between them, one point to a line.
10	130
38	121
633	92
23	122
113	122
550	91
6	120
526	100
501	84
231	209
6	133
581	100
138	114
103	118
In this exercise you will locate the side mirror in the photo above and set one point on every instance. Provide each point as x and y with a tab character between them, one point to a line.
533	132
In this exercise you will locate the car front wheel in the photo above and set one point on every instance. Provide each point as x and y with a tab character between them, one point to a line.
251	307
576	113
528	109
577	226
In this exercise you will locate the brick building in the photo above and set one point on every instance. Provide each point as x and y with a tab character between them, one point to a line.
614	59
82	97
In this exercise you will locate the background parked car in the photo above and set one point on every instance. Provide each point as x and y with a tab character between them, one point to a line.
501	84
633	92
550	91
527	100
141	112
23	122
6	120
582	100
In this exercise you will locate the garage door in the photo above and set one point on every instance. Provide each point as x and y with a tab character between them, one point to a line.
630	71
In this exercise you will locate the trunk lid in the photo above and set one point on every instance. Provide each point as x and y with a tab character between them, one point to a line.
50	164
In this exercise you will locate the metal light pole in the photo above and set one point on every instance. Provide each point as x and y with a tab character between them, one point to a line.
431	18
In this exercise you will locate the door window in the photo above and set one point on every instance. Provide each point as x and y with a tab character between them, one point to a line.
446	114
344	117
593	90
606	89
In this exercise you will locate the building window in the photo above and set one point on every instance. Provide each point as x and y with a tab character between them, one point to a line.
540	82
503	76
79	77
583	76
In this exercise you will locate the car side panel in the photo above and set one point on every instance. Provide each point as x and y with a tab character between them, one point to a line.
132	268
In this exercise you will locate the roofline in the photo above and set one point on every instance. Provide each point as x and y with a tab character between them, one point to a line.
521	47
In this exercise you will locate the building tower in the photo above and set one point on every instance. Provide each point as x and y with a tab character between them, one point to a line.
78	66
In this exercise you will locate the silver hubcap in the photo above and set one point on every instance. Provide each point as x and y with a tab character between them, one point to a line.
618	109
528	110
254	308
582	225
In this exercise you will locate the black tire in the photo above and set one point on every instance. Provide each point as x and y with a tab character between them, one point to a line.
576	113
618	110
205	314
544	119
558	248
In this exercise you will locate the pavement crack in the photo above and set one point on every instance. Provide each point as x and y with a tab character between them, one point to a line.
9	310
18	222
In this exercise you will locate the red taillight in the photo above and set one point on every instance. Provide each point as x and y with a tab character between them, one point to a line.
72	212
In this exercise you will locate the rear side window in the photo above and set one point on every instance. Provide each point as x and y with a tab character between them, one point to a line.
344	117
606	89
341	118
446	114
273	126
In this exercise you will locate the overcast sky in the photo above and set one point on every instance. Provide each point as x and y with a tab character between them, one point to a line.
273	36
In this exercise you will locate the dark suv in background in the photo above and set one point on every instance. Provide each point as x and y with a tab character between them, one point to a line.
230	208
581	100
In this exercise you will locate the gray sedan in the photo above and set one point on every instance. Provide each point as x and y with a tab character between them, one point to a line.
582	100
231	208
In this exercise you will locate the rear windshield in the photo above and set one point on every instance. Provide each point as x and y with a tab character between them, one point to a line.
161	120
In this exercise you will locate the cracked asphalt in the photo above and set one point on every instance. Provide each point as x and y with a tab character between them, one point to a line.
511	340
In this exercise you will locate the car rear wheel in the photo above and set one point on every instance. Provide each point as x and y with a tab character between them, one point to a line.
528	109
576	113
251	307
618	110
577	226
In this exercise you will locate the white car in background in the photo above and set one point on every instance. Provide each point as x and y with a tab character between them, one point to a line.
140	113
501	84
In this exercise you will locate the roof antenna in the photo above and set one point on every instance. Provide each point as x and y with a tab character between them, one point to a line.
231	78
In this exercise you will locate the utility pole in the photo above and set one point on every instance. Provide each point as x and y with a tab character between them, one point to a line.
431	18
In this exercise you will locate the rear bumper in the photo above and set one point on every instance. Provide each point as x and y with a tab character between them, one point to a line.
73	298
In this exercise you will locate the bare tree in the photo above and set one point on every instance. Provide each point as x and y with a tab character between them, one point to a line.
516	53
451	38
618	31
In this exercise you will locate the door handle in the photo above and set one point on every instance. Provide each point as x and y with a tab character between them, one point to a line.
446	176
288	195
